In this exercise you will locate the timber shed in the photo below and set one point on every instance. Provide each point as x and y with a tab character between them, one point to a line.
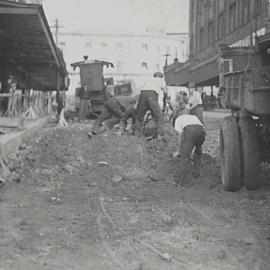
27	49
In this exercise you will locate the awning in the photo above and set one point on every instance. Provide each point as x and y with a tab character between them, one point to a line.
27	48
203	74
177	74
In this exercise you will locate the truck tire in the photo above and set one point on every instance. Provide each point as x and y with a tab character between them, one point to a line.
222	102
250	150
230	161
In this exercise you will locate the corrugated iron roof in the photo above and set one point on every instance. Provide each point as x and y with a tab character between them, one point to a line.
27	46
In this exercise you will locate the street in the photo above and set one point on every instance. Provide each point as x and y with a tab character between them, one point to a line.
75	203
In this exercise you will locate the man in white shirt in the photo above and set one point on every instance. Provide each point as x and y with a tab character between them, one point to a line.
191	136
195	104
150	98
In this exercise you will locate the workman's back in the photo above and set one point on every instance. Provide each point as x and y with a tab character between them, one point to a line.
125	101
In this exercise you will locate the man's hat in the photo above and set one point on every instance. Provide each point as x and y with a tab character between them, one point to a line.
12	79
158	74
191	85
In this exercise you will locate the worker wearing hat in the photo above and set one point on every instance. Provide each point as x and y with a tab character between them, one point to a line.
116	109
151	99
195	104
84	95
180	103
191	136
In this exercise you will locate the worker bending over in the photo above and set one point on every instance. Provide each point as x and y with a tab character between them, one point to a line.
84	96
113	112
191	136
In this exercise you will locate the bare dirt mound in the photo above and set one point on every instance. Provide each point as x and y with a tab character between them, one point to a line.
111	203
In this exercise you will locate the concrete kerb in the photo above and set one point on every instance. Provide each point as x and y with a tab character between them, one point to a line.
9	143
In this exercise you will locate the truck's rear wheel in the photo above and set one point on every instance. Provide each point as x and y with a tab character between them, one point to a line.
222	102
250	146
230	162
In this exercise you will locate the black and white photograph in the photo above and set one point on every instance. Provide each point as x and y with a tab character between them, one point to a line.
134	134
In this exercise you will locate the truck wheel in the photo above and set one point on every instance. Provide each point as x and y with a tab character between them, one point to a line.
230	155
250	146
222	102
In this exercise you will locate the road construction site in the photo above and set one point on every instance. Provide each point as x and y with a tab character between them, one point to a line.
111	202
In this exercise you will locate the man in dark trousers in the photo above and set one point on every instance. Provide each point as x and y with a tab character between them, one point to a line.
151	98
113	112
60	103
191	136
84	96
179	104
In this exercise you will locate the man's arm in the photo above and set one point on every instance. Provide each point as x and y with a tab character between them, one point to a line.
164	87
171	106
196	101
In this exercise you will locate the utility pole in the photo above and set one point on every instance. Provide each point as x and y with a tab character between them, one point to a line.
166	60
57	26
176	56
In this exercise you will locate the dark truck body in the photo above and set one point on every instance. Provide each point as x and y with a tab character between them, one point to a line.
248	84
245	135
91	74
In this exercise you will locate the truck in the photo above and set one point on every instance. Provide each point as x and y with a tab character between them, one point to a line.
91	74
245	134
229	47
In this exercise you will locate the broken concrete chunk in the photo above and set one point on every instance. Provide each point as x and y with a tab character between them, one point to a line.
166	257
153	176
221	254
103	163
22	146
167	219
2	181
117	178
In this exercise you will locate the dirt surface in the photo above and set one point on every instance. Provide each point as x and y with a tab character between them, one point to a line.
73	203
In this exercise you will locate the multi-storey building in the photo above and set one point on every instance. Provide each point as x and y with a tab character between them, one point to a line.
135	56
214	23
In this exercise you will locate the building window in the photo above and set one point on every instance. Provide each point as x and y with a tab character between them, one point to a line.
220	6
258	7
202	18
210	10
210	32
88	45
119	46
232	17
245	14
103	44
201	38
119	66
144	65
220	25
193	11
145	46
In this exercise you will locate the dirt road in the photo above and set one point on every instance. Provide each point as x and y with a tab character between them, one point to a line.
73	203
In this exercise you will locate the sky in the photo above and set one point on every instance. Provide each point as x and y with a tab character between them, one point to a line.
119	15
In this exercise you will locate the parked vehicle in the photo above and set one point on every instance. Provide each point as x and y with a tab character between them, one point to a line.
245	135
91	74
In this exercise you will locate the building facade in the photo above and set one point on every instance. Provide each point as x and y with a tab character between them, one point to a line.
214	23
135	56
